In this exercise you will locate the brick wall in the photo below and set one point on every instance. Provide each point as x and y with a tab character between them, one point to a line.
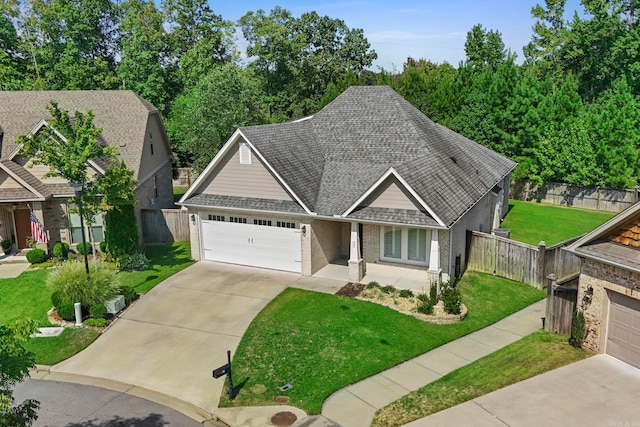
371	243
604	278
56	222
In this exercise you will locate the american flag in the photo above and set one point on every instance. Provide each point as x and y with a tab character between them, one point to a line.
37	230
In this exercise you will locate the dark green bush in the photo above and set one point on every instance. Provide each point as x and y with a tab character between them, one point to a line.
61	250
433	293
388	289
121	230
99	323
451	299
137	261
56	298
84	248
578	329
405	293
129	293
35	256
425	304
103	247
372	285
66	311
97	311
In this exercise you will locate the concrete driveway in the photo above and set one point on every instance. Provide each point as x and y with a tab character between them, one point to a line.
170	340
598	391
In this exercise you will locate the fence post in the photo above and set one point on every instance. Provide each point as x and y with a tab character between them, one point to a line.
542	249
550	314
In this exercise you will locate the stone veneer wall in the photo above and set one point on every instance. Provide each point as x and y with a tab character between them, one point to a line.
371	243
603	278
56	222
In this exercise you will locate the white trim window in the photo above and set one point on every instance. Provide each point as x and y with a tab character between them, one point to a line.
94	232
404	245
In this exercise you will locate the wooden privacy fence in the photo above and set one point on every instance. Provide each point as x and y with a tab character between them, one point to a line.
603	199
164	225
518	261
561	303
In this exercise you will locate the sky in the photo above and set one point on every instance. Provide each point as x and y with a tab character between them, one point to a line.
397	29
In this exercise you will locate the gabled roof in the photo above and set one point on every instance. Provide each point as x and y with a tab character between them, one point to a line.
121	114
334	158
616	242
33	188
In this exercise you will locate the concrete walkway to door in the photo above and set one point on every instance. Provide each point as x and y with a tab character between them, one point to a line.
170	340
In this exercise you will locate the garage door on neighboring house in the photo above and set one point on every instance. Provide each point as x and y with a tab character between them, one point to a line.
623	337
255	242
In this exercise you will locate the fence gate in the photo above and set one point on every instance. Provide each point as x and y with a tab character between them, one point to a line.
164	225
561	303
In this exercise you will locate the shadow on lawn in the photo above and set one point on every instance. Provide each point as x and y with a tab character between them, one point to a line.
167	254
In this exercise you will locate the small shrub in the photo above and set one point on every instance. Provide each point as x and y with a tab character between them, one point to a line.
388	289
578	329
372	285
56	298
451	299
405	293
137	261
97	311
129	293
61	250
425	304
71	281
103	247
66	311
35	256
433	293
98	323
84	248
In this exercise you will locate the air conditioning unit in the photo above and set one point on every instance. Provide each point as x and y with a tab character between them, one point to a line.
114	305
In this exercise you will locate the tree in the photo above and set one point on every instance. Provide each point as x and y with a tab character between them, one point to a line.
143	55
12	64
203	118
484	48
550	33
66	146
15	362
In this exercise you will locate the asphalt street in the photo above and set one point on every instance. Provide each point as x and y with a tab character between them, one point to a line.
74	405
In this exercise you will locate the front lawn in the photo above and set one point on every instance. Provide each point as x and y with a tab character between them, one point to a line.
27	296
320	343
532	222
533	355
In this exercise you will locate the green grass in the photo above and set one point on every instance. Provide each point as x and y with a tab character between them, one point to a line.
533	355
532	222
27	296
52	350
165	260
320	343
178	192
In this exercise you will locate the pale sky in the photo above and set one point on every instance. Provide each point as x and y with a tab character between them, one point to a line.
396	29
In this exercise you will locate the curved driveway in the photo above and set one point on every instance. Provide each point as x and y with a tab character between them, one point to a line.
170	340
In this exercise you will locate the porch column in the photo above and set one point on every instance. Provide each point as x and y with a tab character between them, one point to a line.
356	263
435	273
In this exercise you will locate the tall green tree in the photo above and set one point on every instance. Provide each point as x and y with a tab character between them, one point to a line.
15	362
484	48
142	50
550	33
12	63
203	118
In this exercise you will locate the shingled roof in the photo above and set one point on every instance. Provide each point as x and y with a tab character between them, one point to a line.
121	114
334	157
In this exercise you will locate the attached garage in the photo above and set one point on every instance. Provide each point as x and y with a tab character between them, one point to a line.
254	242
623	336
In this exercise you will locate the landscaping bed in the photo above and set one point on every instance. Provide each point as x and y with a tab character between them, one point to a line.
320	343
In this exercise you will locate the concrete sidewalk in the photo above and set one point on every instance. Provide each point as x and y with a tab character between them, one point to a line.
355	406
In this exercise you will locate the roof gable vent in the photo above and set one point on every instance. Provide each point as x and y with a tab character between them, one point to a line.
245	154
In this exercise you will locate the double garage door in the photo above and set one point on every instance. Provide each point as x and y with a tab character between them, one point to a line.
623	336
266	245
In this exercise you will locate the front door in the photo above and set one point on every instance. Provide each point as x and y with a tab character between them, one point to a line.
23	227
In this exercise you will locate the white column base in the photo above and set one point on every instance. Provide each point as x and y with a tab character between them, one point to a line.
357	270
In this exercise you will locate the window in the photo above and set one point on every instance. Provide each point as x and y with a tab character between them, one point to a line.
245	154
94	232
404	245
262	222
216	218
151	146
283	224
237	219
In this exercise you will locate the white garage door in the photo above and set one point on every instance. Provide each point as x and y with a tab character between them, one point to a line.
623	337
255	245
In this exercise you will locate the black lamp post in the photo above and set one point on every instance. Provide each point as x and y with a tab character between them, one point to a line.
77	187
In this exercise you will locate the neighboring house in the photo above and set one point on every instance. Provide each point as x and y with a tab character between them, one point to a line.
368	179
128	122
609	286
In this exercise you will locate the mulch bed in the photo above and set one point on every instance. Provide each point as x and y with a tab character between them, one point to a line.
284	419
351	290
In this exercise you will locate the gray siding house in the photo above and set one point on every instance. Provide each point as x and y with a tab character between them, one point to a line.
368	179
128	122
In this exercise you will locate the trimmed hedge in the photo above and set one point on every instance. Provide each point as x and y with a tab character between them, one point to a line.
35	256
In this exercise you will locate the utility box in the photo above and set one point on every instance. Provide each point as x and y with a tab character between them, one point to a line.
114	305
502	232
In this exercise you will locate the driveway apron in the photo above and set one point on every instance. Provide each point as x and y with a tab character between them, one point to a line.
170	340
